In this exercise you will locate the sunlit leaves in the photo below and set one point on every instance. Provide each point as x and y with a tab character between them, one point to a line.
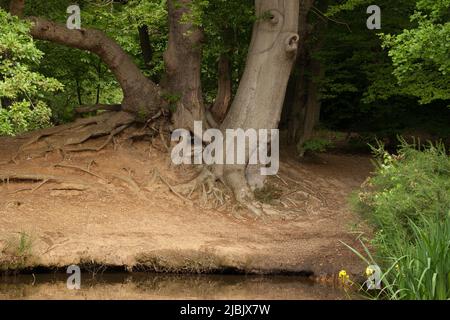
421	56
20	84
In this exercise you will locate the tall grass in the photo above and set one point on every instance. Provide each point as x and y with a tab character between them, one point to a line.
408	202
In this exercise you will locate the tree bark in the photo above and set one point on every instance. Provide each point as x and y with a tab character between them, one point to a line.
223	99
309	117
146	46
183	65
259	98
309	112
16	7
297	109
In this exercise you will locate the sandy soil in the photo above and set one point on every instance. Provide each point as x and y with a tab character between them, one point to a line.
121	214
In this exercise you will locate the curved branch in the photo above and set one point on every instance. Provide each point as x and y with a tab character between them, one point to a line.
95	41
141	95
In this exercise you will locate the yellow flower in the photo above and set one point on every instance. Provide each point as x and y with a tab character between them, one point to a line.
343	276
369	271
397	267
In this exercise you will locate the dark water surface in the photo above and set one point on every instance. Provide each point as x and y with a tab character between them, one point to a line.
162	287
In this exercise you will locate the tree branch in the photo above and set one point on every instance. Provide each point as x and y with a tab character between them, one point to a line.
98	107
141	95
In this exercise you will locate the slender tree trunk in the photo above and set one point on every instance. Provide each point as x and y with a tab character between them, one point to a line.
183	66
146	46
311	111
259	98
223	99
297	111
79	96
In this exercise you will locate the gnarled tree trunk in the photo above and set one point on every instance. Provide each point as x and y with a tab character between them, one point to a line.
259	99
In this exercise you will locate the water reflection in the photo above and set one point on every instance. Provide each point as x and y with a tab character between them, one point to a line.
156	286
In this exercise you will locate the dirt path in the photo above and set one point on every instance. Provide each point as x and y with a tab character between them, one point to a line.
127	217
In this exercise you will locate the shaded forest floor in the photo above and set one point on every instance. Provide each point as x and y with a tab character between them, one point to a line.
115	207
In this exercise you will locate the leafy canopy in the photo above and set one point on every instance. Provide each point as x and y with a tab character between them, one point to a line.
21	88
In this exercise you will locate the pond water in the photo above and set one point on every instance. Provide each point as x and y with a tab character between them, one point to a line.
166	287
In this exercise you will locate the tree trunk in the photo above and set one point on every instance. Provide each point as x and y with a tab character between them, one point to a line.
223	99
310	108
297	111
146	46
259	98
310	115
183	66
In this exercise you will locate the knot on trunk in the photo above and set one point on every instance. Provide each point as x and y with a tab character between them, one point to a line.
291	44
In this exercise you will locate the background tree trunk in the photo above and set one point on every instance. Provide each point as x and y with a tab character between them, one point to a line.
183	66
259	98
223	99
16	7
310	113
296	110
146	46
310	108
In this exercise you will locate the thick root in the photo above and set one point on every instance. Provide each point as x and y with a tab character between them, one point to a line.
64	183
107	124
205	177
111	126
235	179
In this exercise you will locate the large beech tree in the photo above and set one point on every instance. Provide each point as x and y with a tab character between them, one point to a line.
259	98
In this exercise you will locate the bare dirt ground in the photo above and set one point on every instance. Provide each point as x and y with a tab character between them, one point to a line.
112	208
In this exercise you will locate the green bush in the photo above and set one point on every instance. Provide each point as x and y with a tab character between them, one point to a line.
316	145
408	186
22	89
408	202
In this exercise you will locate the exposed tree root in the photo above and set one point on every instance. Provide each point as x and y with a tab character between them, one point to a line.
98	107
104	144
108	123
173	190
8	177
205	177
206	183
115	122
131	184
83	170
64	183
